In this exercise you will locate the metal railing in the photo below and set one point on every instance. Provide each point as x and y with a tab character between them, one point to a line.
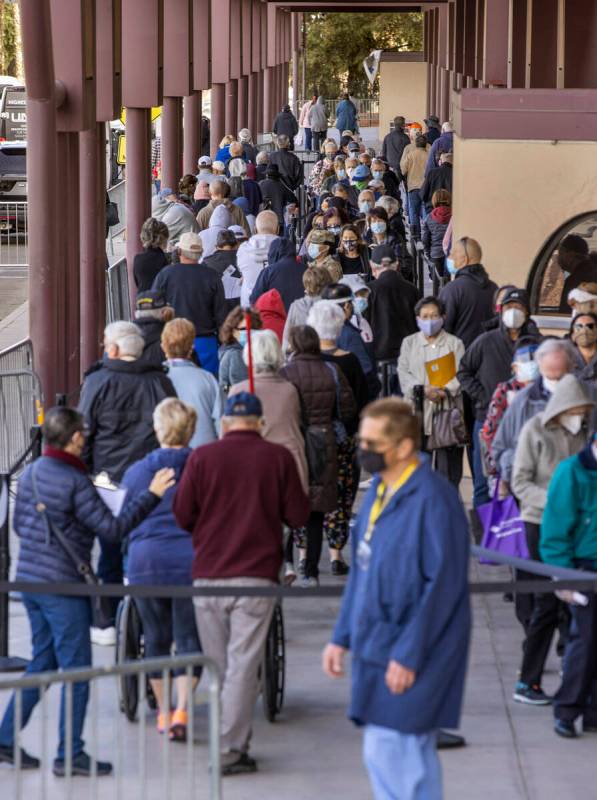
118	300
116	195
21	403
176	774
14	245
367	108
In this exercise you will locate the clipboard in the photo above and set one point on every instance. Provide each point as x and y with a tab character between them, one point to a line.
112	494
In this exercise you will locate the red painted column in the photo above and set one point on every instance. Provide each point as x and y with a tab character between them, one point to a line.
218	95
191	149
253	104
230	107
242	116
138	184
93	234
268	98
171	141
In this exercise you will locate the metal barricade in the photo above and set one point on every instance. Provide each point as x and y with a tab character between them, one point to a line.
21	403
116	194
118	300
14	244
136	776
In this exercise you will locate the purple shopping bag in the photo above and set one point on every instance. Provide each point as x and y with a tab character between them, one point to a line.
503	529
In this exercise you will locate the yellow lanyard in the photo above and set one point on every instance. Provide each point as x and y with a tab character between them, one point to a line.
384	497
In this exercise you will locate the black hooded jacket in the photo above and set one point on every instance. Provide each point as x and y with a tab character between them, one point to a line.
151	330
391	313
393	147
469	302
284	272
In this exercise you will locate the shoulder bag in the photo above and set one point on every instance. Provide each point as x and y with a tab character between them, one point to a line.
315	446
447	426
339	427
101	607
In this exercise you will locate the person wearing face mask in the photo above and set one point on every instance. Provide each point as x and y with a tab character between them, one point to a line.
419	353
557	433
377	233
361	176
577	264
405	614
329	152
380	172
350	197
353	253
333	220
412	167
569	539
583	299
525	370
320	245
486	363
583	332
339	175
366	202
233	337
361	293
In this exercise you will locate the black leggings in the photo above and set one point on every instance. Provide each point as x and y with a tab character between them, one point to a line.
166	620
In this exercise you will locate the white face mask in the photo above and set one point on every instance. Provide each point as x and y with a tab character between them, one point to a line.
572	422
513	318
550	384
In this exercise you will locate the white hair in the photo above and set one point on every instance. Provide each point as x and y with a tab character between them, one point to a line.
389	204
262	157
266	351
127	338
327	318
237	168
556	346
447	127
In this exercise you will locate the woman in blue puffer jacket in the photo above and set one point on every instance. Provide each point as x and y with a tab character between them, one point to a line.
160	552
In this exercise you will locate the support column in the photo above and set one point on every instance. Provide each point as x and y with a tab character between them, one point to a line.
191	130
268	98
171	141
444	110
218	96
138	184
44	265
231	107
295	83
254	123
242	117
92	228
285	83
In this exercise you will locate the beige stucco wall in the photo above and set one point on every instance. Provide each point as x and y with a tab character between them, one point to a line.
402	91
512	196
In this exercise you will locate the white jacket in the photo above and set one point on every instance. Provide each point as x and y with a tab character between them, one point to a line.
251	258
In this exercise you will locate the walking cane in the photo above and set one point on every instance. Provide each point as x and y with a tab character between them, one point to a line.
249	345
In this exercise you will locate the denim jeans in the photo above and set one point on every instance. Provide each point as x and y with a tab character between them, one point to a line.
308	138
480	488
60	637
110	568
414	212
402	766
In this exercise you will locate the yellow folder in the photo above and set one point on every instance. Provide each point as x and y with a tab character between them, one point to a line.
440	371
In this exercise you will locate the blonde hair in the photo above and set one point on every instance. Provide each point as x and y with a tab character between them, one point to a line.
228	139
174	422
178	338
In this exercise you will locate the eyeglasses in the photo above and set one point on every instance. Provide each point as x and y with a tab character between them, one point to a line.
580	326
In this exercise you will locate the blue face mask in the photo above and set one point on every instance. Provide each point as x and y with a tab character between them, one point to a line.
313	251
242	338
360	304
378	227
450	266
377	174
341	173
365	207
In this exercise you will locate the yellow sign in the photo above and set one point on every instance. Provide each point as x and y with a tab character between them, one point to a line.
155	113
121	154
440	371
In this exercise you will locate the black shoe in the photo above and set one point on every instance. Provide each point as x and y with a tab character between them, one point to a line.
531	695
302	566
241	764
565	729
81	765
339	567
7	756
447	741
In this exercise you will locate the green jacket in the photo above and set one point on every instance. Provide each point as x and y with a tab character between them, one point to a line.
569	527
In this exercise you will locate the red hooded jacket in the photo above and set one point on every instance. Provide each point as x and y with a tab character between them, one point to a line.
273	313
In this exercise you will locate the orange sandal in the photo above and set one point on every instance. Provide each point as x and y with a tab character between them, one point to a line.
163	722
178	726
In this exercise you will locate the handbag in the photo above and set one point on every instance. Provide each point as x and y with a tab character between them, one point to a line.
112	217
503	530
447	424
101	607
315	447
339	427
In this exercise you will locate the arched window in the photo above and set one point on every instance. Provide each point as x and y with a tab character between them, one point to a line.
546	280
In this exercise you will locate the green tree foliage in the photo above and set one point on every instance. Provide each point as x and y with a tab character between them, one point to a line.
337	44
9	40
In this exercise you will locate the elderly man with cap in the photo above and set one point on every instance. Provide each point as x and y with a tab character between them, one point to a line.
151	314
275	191
197	294
394	144
249	149
487	362
360	177
289	165
249	488
320	246
205	170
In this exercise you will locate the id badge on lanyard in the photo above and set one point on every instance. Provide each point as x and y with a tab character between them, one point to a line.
363	555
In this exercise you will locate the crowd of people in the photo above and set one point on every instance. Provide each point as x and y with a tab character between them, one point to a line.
244	398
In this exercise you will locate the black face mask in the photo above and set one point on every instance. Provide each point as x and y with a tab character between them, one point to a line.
370	461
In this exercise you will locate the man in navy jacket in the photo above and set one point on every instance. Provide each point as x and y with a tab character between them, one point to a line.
405	614
60	624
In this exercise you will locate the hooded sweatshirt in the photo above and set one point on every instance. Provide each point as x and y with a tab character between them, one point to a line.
318	116
284	273
273	313
179	219
251	258
469	302
434	229
220	220
543	444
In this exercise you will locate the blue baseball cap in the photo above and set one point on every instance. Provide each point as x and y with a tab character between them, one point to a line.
243	404
361	173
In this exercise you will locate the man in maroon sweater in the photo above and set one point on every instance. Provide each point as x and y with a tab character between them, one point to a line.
234	496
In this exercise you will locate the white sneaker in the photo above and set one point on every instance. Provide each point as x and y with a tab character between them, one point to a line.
289	574
103	636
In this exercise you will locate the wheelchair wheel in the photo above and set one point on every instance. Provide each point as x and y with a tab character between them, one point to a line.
273	669
128	648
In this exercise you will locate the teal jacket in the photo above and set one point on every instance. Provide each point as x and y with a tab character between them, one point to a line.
569	527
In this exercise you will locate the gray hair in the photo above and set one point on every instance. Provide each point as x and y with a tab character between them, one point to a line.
244	135
389	204
262	157
556	346
154	233
447	127
266	352
327	318
126	336
237	168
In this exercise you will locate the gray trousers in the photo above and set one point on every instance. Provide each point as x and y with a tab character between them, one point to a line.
233	632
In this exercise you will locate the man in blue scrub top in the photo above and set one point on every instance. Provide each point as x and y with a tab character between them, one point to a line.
405	614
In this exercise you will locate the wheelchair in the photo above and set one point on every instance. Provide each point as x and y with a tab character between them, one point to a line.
130	647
